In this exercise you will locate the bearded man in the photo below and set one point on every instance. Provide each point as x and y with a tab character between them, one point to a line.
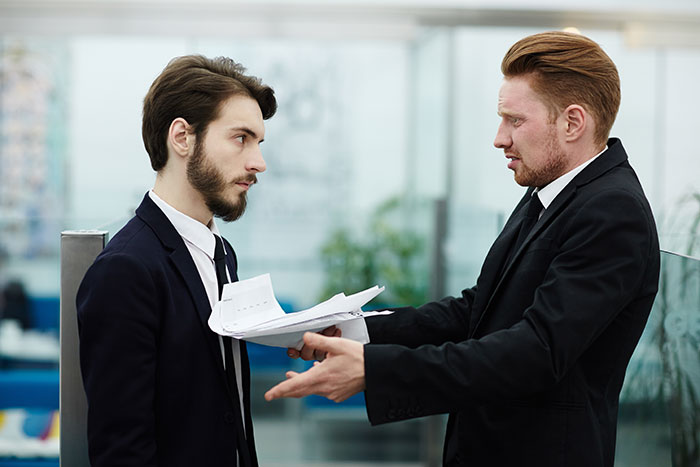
162	388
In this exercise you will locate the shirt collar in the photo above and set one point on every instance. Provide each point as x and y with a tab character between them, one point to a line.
549	192
189	229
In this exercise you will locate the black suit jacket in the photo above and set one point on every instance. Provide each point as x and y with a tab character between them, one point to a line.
529	363
152	368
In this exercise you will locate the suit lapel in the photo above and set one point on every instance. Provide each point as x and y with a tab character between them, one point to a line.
498	255
497	281
494	263
183	263
494	270
551	212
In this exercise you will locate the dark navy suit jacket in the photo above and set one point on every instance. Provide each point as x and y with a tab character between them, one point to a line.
152	368
529	363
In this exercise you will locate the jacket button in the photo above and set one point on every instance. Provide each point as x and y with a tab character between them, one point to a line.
229	417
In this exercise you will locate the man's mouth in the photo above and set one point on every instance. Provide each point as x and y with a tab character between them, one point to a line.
514	161
245	184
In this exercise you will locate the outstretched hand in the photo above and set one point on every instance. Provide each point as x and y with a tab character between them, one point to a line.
339	376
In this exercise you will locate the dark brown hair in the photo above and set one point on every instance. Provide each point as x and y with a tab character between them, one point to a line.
194	87
568	68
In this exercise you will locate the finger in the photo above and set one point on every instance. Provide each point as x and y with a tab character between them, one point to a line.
330	331
290	374
322	343
293	353
338	333
298	385
307	353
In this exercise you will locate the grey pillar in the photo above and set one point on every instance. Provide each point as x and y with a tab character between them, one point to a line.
78	251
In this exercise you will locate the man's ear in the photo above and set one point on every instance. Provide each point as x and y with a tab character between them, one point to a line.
576	120
180	137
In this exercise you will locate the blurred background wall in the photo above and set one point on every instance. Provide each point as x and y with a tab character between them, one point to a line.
380	158
377	100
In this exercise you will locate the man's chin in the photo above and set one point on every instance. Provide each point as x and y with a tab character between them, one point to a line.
229	211
520	179
230	215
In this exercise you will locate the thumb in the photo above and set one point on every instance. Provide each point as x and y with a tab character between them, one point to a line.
320	342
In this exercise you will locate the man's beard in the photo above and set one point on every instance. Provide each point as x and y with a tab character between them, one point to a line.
210	183
554	166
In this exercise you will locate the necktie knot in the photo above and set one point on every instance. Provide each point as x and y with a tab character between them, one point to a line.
534	207
218	248
220	263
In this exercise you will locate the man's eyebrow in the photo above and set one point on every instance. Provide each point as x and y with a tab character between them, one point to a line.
507	113
245	129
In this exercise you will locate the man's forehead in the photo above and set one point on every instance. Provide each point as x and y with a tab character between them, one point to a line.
241	103
241	111
516	91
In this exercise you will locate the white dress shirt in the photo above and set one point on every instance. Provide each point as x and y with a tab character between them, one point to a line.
200	242
553	188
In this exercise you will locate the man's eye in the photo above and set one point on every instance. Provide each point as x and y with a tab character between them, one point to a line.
515	121
240	139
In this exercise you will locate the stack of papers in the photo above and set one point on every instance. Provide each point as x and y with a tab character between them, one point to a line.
249	310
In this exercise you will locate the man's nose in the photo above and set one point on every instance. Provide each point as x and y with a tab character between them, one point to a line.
502	139
256	162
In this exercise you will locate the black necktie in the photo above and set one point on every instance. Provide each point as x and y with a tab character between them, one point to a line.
222	278
534	208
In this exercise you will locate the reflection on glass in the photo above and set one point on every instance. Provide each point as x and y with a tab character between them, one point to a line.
659	421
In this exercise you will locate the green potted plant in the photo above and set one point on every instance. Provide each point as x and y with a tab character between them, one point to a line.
387	254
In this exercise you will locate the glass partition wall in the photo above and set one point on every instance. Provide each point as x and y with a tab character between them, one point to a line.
659	419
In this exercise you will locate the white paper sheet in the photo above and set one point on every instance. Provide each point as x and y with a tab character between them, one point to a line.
249	310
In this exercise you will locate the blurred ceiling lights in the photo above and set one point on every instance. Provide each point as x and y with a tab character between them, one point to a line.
673	22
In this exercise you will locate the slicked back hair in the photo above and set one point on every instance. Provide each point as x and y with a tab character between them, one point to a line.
567	68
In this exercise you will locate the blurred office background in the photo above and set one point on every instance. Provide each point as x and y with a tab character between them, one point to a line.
381	169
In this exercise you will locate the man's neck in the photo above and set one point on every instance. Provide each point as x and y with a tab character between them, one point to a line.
550	191
182	197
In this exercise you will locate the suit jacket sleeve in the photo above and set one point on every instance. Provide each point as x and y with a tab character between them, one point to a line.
599	264
433	323
118	326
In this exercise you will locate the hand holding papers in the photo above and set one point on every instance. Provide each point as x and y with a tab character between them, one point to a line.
249	310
